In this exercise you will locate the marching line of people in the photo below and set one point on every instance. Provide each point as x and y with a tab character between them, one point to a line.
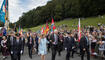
92	43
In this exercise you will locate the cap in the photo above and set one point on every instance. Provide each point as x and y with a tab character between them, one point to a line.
17	34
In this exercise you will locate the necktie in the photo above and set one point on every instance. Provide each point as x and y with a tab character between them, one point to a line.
11	40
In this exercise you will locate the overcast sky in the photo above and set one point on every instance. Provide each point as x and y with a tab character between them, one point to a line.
17	7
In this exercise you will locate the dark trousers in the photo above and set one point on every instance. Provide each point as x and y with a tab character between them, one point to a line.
54	51
48	47
16	56
104	53
73	51
68	54
37	47
83	53
30	51
11	56
23	50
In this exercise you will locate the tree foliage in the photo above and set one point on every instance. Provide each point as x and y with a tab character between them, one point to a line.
61	9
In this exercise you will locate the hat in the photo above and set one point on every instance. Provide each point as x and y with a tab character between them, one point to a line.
17	34
68	33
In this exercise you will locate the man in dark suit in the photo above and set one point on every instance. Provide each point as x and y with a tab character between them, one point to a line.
84	46
60	44
10	40
30	44
73	45
36	42
17	48
54	39
49	44
68	44
23	41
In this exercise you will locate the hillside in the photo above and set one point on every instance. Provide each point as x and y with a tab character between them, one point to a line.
69	22
60	10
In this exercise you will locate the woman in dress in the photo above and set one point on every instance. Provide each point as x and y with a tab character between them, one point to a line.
5	51
42	46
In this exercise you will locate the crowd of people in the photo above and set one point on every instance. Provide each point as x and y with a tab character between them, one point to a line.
92	43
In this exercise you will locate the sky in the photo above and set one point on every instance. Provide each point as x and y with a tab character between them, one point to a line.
17	7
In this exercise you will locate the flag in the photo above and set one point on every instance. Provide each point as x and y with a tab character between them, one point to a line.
52	25
4	32
47	28
79	31
21	32
4	11
1	33
42	30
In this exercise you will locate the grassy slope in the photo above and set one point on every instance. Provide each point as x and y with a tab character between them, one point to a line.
87	21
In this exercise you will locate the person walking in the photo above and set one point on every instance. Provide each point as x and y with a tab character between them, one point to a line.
68	43
54	39
23	41
30	44
5	51
42	46
11	37
84	46
17	48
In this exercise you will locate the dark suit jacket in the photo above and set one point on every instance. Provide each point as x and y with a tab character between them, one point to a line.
53	39
68	43
83	43
17	46
23	41
9	42
73	42
28	43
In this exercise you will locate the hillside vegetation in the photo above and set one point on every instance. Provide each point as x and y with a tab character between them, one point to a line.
60	10
74	22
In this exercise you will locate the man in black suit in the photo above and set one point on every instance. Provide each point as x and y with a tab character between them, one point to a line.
36	42
10	40
68	44
73	45
84	46
17	48
23	41
30	44
49	44
60	44
54	39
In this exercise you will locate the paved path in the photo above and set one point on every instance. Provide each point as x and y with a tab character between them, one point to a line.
48	57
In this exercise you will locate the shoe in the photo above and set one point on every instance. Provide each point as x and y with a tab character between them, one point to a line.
31	57
3	57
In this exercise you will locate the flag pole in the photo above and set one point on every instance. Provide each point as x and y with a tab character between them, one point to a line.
79	30
7	15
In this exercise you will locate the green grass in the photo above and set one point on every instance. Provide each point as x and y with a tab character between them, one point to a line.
69	22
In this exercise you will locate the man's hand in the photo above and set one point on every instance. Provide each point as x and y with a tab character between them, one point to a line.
61	40
73	47
21	51
65	48
11	52
84	49
50	40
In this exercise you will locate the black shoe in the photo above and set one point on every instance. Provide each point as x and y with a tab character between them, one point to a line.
59	54
31	57
72	56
